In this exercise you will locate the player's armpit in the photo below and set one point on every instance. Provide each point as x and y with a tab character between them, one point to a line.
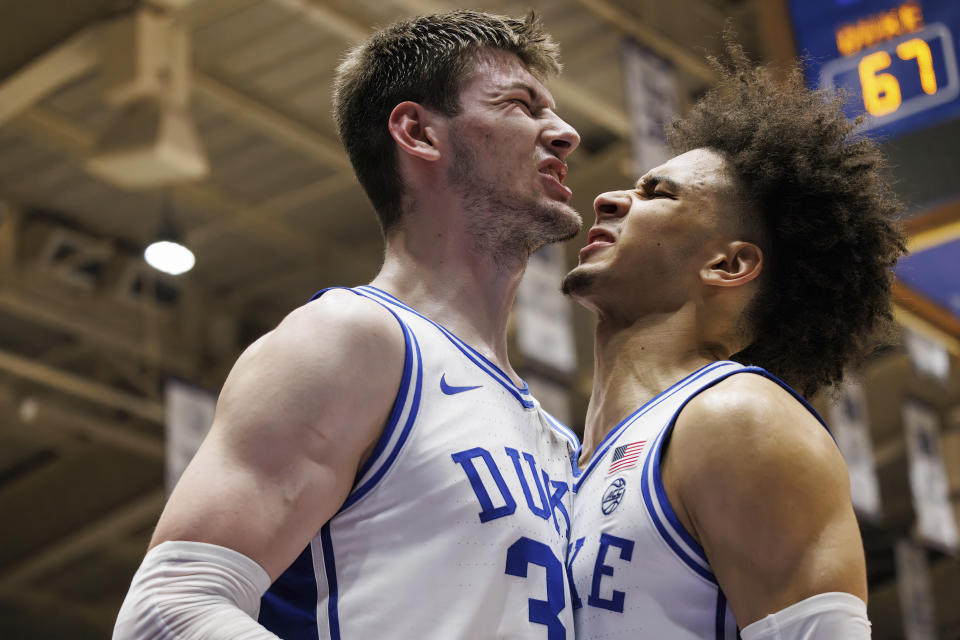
299	412
762	487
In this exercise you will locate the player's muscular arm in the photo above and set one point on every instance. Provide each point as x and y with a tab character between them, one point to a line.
301	409
299	412
760	484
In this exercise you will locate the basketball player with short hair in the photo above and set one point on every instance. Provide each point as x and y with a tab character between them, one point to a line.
711	496
374	457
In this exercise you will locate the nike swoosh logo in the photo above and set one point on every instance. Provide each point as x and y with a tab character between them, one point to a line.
452	391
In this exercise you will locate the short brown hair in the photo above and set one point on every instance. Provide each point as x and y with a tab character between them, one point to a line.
425	60
827	210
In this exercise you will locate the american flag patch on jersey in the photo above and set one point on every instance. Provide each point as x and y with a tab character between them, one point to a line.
626	456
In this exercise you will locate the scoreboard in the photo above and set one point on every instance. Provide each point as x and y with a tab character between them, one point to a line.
897	61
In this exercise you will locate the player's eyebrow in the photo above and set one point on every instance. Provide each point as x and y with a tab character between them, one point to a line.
649	182
534	96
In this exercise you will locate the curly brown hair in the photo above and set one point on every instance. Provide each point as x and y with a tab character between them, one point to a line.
425	60
828	212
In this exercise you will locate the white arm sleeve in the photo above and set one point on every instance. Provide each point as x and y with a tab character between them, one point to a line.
189	590
825	616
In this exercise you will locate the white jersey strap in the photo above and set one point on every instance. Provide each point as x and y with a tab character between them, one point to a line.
825	616
405	409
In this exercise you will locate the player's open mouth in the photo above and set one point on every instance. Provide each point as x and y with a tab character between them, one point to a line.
554	171
554	167
597	239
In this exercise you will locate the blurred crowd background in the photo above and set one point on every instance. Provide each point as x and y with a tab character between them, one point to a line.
171	186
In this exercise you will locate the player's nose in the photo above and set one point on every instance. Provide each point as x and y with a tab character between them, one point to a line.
561	137
612	204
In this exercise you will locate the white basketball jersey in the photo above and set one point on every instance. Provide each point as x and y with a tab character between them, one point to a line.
637	572
457	526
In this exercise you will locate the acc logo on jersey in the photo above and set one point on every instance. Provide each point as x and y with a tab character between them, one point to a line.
613	496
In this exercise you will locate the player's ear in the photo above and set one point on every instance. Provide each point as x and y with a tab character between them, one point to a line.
737	264
413	128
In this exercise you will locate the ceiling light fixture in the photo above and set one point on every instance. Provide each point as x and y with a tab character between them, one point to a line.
167	253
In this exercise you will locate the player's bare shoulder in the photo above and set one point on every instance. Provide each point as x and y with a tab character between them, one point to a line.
331	363
751	417
296	417
755	474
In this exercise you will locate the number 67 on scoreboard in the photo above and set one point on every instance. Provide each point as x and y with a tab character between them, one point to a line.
898	78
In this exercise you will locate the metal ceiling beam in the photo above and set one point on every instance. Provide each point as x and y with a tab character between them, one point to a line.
200	14
81	387
78	143
278	126
910	311
269	209
65	353
10	218
117	524
261	221
21	296
82	52
53	69
776	31
588	105
330	19
264	220
26	304
626	23
42	413
236	214
69	612
266	285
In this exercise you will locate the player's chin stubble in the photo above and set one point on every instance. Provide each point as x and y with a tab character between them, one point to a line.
577	281
508	225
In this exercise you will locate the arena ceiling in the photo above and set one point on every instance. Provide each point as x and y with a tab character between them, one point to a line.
89	333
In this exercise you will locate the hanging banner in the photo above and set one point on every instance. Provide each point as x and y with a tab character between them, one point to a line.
650	83
928	477
542	314
915	591
851	426
929	357
188	417
950	451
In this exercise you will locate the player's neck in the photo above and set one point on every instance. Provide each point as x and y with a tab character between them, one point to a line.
632	364
444	278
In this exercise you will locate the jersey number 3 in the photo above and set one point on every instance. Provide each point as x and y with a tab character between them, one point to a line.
524	552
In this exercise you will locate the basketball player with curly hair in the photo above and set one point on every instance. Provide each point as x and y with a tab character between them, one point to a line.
712	500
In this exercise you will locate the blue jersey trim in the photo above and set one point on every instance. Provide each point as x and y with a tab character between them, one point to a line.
289	608
412	361
699	569
656	479
563	430
661	492
330	568
796	396
399	402
522	394
721	619
610	439
401	398
397	409
411	418
495	370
